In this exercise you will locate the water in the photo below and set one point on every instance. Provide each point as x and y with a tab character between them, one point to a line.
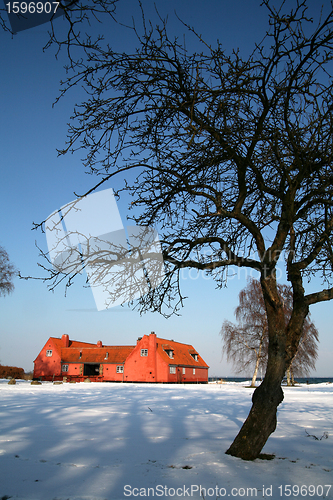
299	380
314	380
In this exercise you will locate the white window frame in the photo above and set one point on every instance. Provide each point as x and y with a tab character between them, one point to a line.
120	369
184	370
193	371
48	353
64	368
172	370
144	352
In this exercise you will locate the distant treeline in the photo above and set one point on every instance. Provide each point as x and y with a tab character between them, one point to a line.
11	372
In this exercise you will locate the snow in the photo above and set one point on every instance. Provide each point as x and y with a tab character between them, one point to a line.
115	441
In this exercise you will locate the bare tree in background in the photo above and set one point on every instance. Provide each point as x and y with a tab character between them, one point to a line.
230	157
246	344
7	273
306	354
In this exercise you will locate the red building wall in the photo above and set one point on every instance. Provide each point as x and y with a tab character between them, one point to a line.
108	372
75	371
139	368
162	370
200	375
48	367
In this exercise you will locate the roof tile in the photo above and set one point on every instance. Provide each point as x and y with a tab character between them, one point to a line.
181	354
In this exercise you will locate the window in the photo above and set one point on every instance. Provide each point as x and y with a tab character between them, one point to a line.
184	370
172	369
144	352
106	355
193	371
169	353
194	356
120	369
64	368
49	353
80	356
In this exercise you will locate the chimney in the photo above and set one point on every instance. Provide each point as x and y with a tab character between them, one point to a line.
139	338
152	338
152	355
65	340
99	343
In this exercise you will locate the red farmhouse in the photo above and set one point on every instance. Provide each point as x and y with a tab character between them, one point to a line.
151	360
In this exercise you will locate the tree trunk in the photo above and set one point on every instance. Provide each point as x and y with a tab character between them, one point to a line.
288	377
282	347
254	378
261	421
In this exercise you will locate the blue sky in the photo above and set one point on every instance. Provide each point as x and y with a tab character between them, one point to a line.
35	182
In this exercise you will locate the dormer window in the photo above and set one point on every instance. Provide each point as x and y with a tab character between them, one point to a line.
168	350
80	356
194	356
106	355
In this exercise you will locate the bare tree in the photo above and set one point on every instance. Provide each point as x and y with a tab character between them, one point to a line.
7	273
246	344
231	158
306	354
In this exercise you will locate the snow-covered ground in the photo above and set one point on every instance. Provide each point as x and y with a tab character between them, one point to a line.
117	441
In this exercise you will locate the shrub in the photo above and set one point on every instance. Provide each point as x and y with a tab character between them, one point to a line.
11	372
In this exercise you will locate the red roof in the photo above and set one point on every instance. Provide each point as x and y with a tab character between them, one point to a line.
181	354
105	354
84	352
